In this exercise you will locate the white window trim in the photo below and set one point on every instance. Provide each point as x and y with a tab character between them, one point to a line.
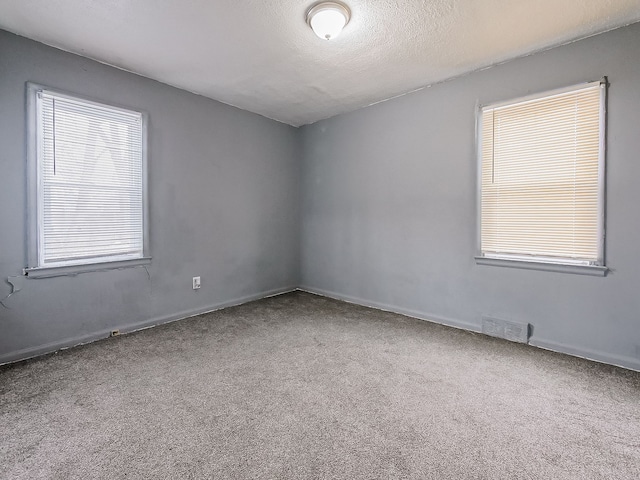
540	263
33	268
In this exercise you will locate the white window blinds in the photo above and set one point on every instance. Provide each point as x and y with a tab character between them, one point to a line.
542	167
90	181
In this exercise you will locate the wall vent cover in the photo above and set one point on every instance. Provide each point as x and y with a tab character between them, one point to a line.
513	331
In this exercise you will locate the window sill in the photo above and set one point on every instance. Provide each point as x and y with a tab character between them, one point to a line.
595	270
70	270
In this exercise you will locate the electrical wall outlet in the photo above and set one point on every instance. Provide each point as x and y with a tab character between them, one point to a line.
196	283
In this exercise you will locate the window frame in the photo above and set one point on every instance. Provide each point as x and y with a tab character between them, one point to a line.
34	211
597	268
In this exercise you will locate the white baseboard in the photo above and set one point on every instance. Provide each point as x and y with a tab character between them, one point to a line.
394	309
625	362
51	347
26	353
617	360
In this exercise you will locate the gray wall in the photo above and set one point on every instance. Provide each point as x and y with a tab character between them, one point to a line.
387	216
223	195
389	207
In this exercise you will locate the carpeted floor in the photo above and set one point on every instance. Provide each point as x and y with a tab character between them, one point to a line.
300	386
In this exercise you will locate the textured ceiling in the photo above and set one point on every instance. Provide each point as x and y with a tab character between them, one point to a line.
261	56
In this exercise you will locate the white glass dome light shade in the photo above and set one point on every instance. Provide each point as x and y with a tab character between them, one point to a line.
327	19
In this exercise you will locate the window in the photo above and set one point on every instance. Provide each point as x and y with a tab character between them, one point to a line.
88	176
542	169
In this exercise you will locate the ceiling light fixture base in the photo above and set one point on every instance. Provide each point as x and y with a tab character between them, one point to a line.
327	19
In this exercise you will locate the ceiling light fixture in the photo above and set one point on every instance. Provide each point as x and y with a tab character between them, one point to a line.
327	19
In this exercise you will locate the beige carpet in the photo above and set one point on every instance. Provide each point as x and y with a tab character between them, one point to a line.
299	386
